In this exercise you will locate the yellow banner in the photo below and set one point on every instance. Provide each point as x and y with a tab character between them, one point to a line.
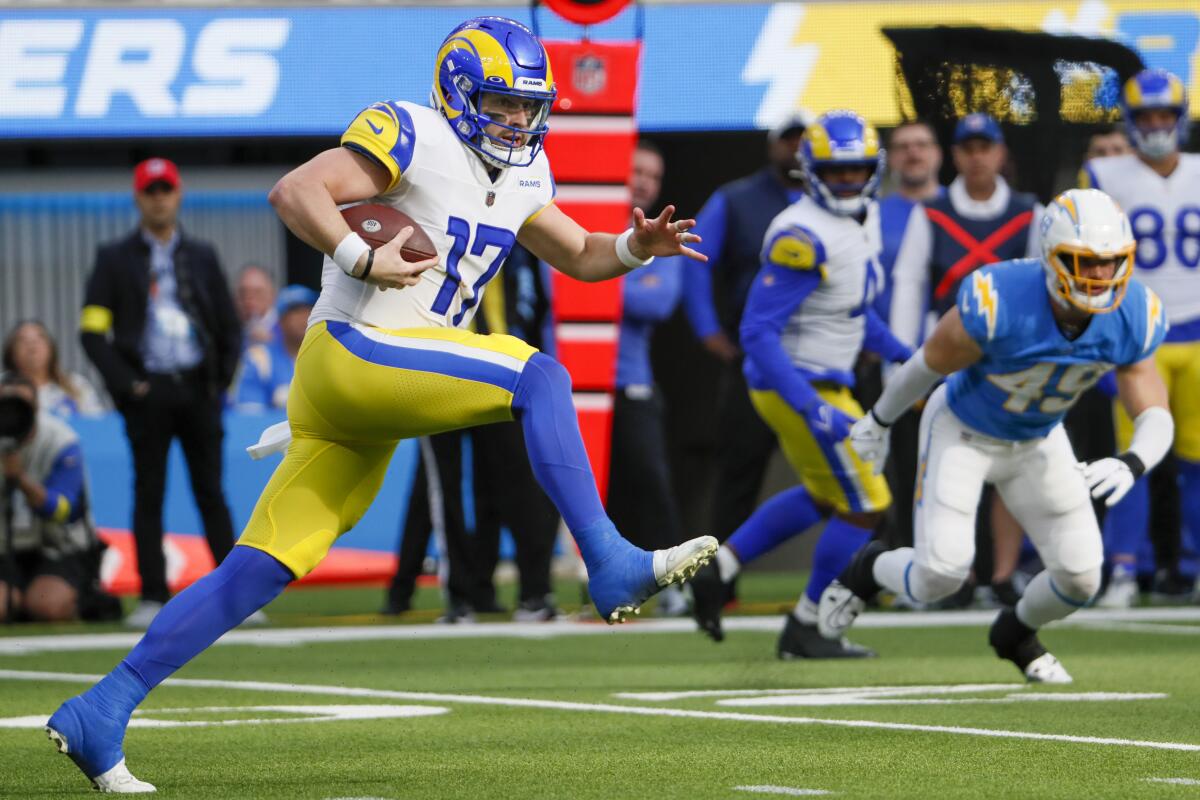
836	56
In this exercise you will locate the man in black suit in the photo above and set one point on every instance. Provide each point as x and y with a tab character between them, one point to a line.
160	326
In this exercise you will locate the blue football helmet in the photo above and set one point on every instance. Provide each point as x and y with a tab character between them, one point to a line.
841	138
494	55
1155	88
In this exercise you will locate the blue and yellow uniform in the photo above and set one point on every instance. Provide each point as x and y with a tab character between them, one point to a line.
1030	373
380	366
807	318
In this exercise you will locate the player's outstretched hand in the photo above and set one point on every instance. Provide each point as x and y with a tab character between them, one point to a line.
870	440
831	424
662	237
391	271
1109	478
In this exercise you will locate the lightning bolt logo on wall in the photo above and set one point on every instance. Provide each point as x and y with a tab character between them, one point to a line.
810	55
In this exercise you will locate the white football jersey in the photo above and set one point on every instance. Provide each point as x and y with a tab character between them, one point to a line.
1165	215
825	333
446	189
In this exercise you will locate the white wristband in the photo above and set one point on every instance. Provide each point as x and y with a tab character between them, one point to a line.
625	255
349	251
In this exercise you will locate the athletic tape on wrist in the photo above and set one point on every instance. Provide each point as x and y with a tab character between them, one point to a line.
625	255
348	252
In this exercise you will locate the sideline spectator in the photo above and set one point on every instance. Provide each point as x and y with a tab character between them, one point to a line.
640	498
267	367
914	159
44	512
30	351
255	299
159	324
1108	140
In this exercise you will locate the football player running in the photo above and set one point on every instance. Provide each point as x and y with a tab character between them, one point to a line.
808	315
378	366
1025	339
1159	187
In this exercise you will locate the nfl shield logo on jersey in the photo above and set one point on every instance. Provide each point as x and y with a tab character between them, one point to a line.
491	198
590	74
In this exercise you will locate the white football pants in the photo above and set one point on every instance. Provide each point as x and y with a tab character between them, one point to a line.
1041	486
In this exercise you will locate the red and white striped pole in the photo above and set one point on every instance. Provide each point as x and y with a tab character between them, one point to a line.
590	146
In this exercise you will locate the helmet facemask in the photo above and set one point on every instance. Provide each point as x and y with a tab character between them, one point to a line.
845	199
1092	295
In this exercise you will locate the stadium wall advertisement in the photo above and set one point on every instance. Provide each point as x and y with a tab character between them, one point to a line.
308	71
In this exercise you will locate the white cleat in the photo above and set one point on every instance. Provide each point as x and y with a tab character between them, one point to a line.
681	562
838	609
119	780
1047	669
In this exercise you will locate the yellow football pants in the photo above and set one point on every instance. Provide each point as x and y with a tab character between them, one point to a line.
357	391
833	474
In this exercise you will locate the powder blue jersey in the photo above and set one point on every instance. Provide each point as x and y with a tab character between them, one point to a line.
1030	373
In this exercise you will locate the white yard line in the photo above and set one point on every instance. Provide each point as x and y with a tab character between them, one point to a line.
607	708
1175	781
292	637
784	790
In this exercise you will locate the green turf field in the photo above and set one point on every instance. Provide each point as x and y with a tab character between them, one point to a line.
331	702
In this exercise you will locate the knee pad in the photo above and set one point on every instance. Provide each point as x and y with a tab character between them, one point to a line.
928	585
1079	587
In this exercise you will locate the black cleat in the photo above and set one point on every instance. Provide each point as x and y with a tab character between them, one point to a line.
799	640
709	596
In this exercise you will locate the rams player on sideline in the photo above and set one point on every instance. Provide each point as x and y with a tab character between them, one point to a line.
1025	339
808	314
1159	187
378	366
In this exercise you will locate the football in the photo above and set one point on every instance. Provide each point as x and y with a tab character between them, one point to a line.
378	224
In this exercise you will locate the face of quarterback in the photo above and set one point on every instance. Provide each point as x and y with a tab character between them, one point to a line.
913	155
506	109
645	178
845	181
979	161
1102	145
158	205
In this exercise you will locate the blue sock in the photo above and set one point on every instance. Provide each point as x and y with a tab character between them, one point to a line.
838	543
787	514
1126	526
542	403
244	582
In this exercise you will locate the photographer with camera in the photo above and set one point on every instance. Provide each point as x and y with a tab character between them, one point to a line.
47	541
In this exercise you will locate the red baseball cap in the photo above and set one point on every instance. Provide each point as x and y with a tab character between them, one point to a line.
154	170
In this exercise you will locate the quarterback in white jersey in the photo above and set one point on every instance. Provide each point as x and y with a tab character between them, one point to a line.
378	366
446	188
